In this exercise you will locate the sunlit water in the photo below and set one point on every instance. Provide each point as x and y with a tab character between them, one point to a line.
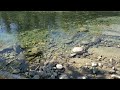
8	38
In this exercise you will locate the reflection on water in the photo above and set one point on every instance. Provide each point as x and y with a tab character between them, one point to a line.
8	38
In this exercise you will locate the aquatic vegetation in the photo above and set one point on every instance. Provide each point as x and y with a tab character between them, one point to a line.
33	38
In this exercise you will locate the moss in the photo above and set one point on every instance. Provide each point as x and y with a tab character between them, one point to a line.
33	38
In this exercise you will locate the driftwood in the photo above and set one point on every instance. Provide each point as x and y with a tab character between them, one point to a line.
7	75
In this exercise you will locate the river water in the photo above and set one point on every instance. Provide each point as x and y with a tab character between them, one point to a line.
65	30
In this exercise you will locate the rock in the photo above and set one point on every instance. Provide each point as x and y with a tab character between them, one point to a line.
118	46
72	54
84	77
54	68
100	64
78	50
26	73
36	77
100	77
112	71
115	76
59	66
111	59
113	68
94	64
63	76
118	72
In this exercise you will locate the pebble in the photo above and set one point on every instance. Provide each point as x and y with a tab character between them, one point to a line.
59	66
94	64
111	59
113	68
118	46
100	64
63	76
99	57
115	76
84	77
72	54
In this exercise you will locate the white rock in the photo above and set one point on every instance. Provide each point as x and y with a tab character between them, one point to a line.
84	77
59	66
99	57
94	64
118	46
99	64
111	59
78	49
72	54
113	68
63	76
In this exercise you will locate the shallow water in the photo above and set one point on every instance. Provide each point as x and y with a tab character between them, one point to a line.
54	32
